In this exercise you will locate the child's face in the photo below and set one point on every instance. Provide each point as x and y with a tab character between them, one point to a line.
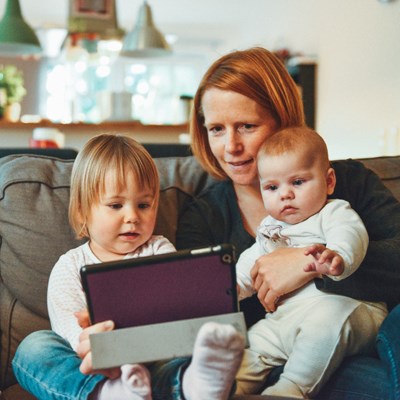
291	188
122	220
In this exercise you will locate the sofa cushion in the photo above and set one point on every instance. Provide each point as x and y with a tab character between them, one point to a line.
34	232
388	169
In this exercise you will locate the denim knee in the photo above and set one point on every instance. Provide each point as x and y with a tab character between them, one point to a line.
388	345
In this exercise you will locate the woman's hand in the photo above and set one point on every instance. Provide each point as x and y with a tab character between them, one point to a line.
84	349
279	273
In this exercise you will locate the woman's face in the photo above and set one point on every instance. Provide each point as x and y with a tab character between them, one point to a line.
236	127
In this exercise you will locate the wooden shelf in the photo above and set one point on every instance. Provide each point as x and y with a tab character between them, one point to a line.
18	134
103	126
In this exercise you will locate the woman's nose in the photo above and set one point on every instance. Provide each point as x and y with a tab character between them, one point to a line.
233	142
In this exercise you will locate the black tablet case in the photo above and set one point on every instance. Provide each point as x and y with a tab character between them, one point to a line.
162	288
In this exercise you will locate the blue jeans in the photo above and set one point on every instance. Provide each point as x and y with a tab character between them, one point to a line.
368	378
46	366
388	344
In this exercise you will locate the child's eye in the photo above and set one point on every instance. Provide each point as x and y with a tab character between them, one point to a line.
298	182
271	188
115	206
144	205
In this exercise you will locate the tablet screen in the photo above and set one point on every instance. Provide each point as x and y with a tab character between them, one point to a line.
162	288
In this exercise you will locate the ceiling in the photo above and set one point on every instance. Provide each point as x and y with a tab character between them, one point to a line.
168	14
190	25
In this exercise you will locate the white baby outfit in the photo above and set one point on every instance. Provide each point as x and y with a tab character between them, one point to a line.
311	331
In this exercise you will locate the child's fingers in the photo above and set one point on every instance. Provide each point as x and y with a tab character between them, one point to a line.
310	250
314	249
83	318
310	267
336	267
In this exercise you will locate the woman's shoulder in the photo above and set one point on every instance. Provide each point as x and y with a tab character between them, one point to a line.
352	178
348	166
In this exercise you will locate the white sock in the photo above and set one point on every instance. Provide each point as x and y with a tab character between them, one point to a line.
133	384
217	355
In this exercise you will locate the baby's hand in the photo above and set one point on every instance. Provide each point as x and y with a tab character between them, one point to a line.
326	261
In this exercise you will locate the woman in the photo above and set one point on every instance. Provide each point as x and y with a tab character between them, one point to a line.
243	98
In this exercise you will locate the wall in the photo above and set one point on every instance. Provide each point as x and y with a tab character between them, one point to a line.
356	43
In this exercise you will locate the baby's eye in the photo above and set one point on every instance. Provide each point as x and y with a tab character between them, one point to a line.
271	188
298	182
143	206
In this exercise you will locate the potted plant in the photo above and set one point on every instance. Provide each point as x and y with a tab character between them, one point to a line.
12	91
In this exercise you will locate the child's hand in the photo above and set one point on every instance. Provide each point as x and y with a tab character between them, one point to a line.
326	261
85	353
83	318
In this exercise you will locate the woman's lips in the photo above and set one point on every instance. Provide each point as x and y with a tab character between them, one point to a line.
238	164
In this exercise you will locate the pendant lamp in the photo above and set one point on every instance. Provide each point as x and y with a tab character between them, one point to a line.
17	38
145	40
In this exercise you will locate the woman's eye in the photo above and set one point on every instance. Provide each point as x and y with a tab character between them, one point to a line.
246	128
215	130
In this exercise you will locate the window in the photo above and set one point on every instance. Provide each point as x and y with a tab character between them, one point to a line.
93	86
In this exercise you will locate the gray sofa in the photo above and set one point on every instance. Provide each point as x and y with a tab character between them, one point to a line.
34	232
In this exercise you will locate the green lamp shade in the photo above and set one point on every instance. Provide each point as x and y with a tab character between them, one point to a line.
145	40
16	36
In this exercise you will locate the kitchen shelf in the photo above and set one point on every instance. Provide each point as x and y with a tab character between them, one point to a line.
18	134
103	126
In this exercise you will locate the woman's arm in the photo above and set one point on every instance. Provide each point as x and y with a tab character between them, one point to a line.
214	218
378	277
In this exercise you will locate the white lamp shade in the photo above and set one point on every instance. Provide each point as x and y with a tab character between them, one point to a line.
145	40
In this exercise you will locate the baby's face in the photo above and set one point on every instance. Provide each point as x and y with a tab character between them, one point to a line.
122	220
293	189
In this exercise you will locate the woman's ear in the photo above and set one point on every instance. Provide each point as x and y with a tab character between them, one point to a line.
330	180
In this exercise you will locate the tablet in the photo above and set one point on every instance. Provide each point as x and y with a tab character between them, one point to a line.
162	288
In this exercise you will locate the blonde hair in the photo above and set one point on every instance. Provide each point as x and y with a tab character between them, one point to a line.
257	74
101	154
300	140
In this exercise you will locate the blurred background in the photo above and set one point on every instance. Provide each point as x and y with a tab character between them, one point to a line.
354	45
